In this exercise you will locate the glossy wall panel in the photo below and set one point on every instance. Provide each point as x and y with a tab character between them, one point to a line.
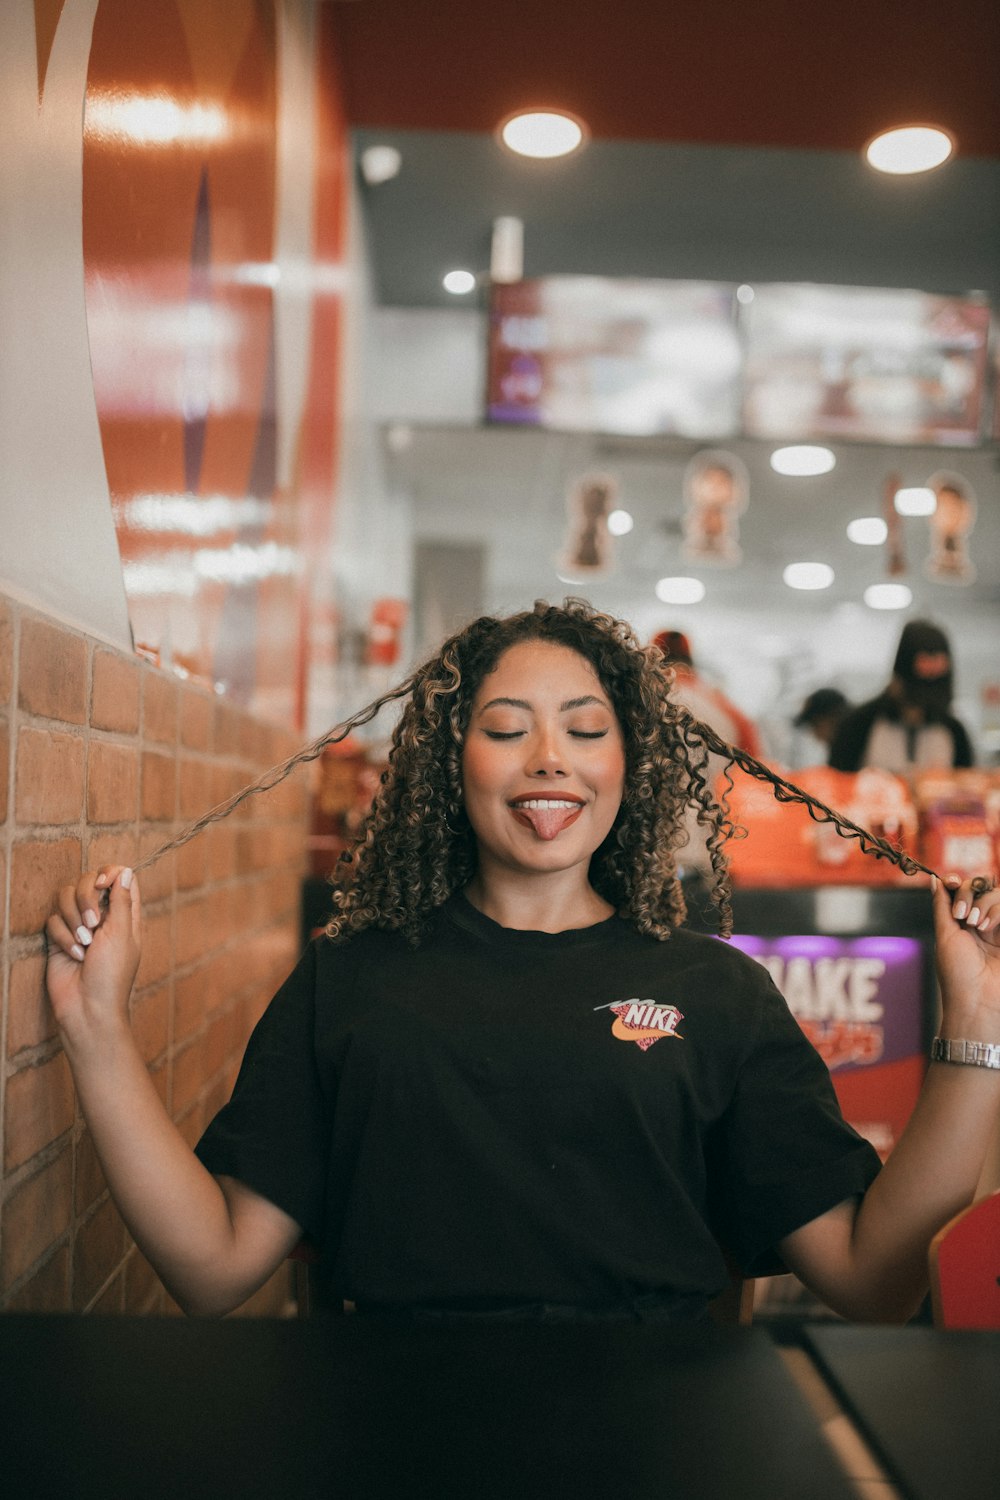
186	265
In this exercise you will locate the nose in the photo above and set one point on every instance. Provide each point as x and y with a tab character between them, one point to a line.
546	755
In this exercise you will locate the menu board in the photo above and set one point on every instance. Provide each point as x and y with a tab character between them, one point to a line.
863	363
596	354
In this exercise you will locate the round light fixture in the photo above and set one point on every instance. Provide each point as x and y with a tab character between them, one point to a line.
802	460
620	523
808	575
680	590
542	133
916	501
459	283
745	294
909	148
380	164
867	531
888	596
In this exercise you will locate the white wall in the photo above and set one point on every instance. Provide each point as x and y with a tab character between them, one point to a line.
57	542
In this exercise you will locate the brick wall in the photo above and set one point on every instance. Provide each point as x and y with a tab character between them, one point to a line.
103	757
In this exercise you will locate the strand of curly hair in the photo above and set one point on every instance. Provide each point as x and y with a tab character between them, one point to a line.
638	853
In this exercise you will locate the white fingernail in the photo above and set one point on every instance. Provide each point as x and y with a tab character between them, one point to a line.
125	879
959	910
77	952
84	936
91	918
973	917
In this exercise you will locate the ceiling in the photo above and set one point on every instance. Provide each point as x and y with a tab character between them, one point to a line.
724	145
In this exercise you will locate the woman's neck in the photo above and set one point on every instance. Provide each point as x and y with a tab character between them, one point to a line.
549	903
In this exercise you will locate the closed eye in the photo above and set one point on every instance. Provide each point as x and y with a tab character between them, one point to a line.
502	734
588	734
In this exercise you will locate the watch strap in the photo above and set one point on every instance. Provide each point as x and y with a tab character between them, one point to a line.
973	1054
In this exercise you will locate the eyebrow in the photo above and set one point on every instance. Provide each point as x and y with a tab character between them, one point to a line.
583	702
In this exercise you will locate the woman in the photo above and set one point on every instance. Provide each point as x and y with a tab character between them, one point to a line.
507	1081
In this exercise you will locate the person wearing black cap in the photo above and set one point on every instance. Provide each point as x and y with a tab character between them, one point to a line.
909	726
821	714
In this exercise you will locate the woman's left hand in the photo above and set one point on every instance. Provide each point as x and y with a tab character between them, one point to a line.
967	940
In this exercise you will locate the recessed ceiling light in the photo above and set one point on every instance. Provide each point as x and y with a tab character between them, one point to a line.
888	596
867	531
680	590
620	523
918	501
808	575
910	148
380	164
802	460
542	133
459	283
745	294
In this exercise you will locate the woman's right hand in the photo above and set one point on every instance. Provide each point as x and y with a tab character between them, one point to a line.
94	950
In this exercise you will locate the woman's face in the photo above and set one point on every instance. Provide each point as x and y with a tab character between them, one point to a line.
543	764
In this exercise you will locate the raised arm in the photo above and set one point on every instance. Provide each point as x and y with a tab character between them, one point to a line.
868	1260
212	1241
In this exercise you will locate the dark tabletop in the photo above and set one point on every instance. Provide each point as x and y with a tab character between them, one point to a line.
927	1401
115	1408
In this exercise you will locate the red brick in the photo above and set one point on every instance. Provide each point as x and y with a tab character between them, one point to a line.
195	797
97	1250
37	871
193	934
188	1077
192	997
221	843
6	653
114	700
30	1020
157	950
49	778
197	718
47	1291
52	680
39	1108
112	783
159	787
111	1301
90	1182
192	864
117	848
34	1216
4	767
150	1022
159	707
158	878
228	733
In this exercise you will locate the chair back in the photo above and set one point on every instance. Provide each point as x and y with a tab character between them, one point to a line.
965	1268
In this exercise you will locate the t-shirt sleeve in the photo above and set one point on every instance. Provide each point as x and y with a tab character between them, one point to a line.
274	1133
785	1153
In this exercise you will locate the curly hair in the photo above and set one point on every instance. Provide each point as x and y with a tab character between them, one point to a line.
416	846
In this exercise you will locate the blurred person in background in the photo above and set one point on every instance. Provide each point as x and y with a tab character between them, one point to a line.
821	715
708	703
702	698
909	726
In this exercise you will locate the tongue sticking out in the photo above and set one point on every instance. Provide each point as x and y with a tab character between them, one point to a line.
548	821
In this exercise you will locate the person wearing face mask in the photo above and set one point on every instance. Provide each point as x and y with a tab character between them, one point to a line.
909	726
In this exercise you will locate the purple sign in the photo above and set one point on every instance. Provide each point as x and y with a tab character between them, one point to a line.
859	1000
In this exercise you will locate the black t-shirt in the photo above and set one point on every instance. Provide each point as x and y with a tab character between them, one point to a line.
576	1117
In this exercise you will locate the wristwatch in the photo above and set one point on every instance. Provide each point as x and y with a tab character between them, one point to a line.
975	1054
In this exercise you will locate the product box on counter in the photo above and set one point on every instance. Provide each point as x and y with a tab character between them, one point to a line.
784	845
959	820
